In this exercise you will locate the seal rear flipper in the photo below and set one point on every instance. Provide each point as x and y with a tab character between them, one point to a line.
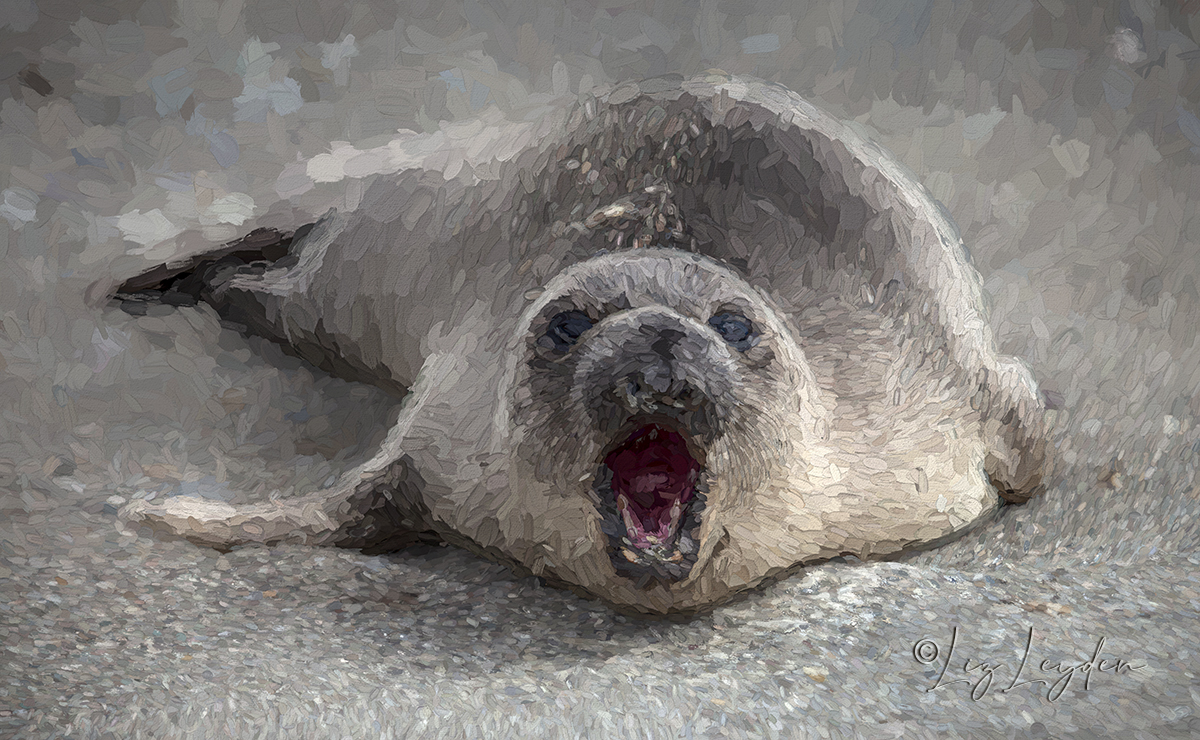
259	284
182	282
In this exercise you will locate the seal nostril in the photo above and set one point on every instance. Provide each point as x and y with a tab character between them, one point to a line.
685	395
664	346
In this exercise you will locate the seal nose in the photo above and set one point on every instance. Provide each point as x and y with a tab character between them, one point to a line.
664	341
659	353
653	387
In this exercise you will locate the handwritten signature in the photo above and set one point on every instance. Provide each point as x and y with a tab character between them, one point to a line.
927	652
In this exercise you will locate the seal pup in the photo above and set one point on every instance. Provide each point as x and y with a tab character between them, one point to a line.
699	334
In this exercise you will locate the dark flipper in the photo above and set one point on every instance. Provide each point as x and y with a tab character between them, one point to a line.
253	283
181	283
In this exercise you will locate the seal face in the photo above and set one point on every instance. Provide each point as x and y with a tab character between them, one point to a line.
656	383
655	379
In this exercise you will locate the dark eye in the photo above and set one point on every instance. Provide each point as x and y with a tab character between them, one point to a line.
735	329
564	330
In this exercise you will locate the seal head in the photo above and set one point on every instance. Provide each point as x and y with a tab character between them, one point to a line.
658	390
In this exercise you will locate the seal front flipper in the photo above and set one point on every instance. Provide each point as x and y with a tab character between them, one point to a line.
1015	419
377	506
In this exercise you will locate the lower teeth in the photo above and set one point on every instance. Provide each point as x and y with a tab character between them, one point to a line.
635	533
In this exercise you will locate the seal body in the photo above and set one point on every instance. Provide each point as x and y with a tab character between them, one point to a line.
697	335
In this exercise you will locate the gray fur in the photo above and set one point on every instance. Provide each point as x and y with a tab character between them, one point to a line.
873	415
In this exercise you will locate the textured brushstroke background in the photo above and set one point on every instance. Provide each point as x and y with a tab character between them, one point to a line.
1062	136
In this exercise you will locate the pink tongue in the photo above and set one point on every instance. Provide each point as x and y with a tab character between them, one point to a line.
648	482
653	469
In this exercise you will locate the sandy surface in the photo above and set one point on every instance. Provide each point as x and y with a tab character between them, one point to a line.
1063	137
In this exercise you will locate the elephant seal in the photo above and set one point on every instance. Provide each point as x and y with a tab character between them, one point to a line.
690	335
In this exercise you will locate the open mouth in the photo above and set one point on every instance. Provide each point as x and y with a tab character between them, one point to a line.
651	491
653	476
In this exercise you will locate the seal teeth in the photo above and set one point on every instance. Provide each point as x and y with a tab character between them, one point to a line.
630	526
676	512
